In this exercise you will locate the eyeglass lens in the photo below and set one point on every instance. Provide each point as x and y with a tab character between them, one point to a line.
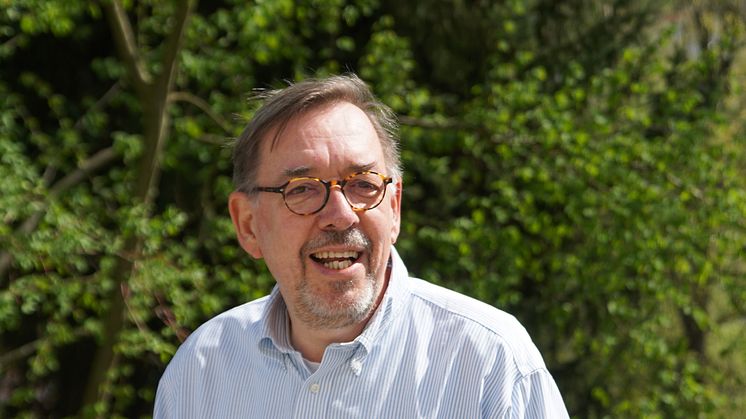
308	195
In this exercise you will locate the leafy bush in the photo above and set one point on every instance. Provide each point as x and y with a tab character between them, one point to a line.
587	177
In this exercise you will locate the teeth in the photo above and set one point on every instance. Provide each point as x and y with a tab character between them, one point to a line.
336	255
338	264
336	260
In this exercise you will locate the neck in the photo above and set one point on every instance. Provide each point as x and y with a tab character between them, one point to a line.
311	342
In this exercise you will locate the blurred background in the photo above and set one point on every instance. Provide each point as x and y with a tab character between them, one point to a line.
578	163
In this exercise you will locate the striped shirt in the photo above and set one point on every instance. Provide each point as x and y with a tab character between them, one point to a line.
427	352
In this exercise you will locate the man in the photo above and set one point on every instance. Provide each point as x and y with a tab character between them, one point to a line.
346	333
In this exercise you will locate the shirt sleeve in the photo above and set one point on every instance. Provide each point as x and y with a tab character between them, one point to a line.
536	396
164	403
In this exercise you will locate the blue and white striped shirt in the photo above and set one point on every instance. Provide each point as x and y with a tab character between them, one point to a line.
427	352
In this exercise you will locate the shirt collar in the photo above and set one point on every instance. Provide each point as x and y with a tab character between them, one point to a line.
276	323
392	302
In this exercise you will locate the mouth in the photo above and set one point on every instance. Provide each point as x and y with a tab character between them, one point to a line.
336	260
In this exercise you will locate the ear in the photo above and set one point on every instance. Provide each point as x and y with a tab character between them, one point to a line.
243	215
396	211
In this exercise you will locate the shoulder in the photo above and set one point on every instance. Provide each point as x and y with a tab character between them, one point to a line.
470	315
238	320
209	359
237	328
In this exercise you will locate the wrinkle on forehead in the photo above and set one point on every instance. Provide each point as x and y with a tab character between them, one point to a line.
338	137
276	132
302	171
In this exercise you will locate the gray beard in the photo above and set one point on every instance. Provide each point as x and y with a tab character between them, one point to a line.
318	314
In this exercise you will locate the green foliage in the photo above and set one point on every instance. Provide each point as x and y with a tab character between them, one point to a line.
587	177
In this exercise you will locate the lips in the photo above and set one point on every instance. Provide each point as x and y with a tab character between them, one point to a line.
336	260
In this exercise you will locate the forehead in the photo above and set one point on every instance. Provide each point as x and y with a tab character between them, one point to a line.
331	140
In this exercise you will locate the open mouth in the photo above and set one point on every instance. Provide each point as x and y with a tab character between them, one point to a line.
336	260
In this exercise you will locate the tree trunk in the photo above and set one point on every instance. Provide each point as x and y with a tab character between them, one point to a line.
153	97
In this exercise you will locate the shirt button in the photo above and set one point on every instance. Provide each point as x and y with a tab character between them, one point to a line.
356	365
314	388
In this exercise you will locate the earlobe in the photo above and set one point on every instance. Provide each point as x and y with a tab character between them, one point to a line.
396	211
242	215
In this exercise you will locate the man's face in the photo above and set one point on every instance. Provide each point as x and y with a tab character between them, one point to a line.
330	266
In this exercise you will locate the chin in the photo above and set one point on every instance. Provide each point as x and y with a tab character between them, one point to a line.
340	308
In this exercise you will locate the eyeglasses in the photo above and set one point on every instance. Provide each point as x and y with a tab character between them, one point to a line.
308	195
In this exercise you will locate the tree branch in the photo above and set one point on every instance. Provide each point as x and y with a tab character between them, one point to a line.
103	100
11	43
124	38
89	166
173	45
155	117
153	100
95	162
85	169
29	348
202	105
164	312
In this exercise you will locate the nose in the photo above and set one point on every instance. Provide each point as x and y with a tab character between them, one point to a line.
337	214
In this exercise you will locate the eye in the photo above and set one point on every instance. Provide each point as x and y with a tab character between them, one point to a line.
302	188
363	186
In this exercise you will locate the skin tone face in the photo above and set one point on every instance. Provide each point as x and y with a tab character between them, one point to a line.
330	266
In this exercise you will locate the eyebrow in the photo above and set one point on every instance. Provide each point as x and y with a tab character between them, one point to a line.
296	171
302	171
360	167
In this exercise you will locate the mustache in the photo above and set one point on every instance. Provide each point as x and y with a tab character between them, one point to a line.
352	237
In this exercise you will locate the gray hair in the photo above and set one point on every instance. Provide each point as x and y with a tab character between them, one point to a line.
280	106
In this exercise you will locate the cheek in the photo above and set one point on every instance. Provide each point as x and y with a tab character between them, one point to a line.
279	237
379	229
267	234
